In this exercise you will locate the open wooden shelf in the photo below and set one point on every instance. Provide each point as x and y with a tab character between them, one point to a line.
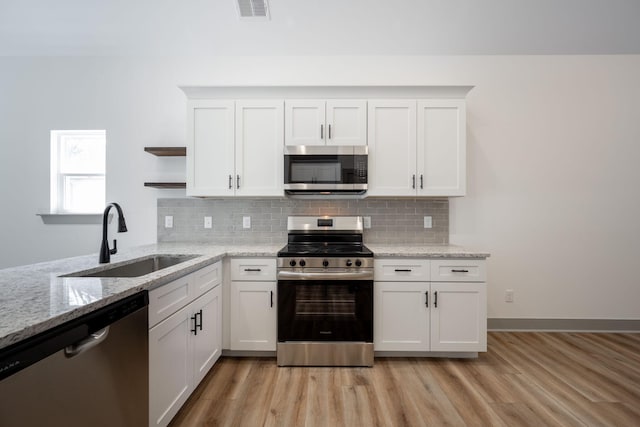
166	184
167	151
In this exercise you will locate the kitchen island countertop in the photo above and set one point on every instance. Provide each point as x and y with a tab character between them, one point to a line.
34	298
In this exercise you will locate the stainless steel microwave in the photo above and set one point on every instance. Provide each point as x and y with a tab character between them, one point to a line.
321	171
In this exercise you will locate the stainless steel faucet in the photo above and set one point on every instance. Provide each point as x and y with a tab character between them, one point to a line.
105	252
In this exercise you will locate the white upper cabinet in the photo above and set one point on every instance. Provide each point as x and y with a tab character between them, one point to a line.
259	162
392	147
235	148
416	136
417	148
326	122
442	147
210	147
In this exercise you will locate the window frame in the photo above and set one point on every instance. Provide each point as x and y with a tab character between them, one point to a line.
58	180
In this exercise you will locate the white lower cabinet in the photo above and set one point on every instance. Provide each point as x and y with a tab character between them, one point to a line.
207	344
458	316
183	347
253	316
253	302
401	318
412	313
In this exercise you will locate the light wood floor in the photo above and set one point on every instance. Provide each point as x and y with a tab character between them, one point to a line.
531	379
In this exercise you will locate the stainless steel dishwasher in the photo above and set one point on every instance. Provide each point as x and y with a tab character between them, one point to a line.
89	371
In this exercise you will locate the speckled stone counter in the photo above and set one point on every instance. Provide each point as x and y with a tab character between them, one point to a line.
422	251
34	298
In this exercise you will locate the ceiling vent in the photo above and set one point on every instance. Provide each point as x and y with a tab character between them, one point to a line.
253	9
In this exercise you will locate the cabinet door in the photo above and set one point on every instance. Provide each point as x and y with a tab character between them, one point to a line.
210	147
259	148
304	122
441	147
392	148
170	366
401	316
458	316
253	316
346	122
207	342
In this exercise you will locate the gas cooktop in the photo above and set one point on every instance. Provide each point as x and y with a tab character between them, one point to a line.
325	250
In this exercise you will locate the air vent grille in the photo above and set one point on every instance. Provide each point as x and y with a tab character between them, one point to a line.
253	9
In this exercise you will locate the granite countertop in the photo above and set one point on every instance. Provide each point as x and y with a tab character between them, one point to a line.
424	251
34	298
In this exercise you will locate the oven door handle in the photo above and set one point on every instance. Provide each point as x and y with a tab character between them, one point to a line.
356	275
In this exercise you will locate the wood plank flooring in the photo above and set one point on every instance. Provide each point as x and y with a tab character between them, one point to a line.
525	379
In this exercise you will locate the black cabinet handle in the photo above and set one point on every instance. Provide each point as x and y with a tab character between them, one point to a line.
237	181
435	299
413	178
421	181
426	295
230	184
407	270
459	271
195	324
329	131
200	314
252	269
321	131
271	298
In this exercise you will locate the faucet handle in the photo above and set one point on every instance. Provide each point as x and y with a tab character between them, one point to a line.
115	247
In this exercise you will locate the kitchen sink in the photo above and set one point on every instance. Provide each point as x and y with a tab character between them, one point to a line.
135	268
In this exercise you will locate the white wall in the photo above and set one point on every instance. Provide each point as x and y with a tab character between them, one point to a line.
552	145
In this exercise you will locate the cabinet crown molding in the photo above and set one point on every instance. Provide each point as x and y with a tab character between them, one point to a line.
257	92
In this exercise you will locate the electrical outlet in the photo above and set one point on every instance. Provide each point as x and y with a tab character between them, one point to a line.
366	220
428	222
246	222
508	295
207	222
168	221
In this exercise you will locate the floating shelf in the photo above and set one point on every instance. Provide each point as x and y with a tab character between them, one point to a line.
166	184
167	151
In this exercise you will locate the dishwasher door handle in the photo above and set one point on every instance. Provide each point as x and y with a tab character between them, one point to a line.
88	343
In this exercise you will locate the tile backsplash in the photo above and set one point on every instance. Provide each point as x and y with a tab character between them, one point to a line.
392	220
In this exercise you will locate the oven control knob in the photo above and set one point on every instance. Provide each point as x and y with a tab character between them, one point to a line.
292	263
349	263
325	263
358	263
302	263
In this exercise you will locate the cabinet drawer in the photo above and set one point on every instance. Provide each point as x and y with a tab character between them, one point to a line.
169	298
457	270
253	269
207	278
401	270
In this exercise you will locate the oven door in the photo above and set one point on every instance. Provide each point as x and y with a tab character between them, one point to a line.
325	310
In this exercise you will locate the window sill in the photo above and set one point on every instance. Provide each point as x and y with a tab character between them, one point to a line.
72	218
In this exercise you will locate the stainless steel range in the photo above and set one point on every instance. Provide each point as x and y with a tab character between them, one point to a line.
325	294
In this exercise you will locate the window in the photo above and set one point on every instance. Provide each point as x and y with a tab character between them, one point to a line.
78	171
